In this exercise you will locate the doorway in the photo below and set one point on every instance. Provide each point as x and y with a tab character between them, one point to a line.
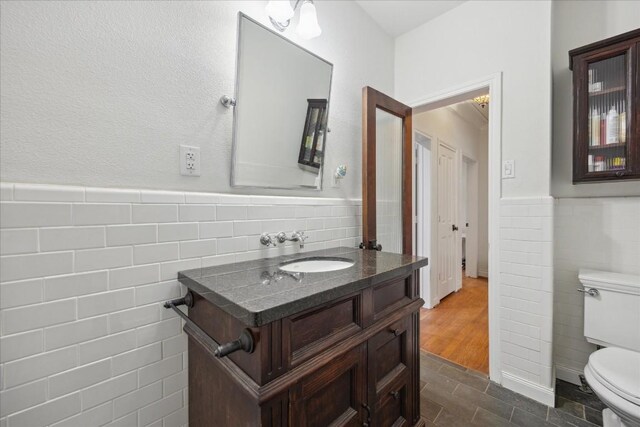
455	319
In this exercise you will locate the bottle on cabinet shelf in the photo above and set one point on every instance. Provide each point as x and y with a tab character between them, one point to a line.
595	128
612	126
622	127
617	163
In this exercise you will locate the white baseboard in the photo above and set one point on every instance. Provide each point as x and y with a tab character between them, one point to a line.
483	273
544	395
431	304
570	375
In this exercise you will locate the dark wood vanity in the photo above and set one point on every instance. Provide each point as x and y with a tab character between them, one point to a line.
337	348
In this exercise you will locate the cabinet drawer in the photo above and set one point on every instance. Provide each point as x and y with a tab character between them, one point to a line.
392	406
388	356
308	333
391	295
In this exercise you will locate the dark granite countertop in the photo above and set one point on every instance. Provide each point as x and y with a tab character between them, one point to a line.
257	292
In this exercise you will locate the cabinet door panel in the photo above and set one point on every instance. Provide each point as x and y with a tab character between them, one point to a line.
390	296
313	331
333	395
388	354
389	374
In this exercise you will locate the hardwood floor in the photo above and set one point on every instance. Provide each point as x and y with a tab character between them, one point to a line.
457	329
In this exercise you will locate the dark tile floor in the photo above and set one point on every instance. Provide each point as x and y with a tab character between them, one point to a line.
453	396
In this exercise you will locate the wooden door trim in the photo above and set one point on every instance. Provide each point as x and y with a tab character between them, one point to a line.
372	100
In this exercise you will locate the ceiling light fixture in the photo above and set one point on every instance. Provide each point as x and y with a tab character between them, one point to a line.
482	100
280	13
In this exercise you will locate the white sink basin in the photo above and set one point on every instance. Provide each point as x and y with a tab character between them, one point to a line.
316	265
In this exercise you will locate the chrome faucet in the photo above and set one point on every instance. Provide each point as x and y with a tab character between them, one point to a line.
296	236
299	236
269	240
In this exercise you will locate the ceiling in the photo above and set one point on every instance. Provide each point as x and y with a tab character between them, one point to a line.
470	111
399	16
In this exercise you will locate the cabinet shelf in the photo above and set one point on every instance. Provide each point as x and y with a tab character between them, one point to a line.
608	91
609	147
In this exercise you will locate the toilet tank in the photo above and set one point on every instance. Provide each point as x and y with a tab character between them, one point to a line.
612	314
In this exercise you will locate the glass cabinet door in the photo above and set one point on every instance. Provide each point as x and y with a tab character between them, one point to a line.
606	131
608	119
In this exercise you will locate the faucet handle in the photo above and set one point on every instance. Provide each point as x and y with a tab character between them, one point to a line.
267	240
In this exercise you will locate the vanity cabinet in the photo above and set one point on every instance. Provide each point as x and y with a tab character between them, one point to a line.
606	117
351	361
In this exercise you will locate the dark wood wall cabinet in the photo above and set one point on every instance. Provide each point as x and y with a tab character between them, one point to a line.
606	97
351	361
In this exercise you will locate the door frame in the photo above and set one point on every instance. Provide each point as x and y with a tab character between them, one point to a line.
371	101
422	247
459	93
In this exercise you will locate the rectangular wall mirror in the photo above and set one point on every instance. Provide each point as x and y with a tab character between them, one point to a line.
280	117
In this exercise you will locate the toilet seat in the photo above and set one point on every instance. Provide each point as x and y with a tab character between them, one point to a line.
619	371
614	374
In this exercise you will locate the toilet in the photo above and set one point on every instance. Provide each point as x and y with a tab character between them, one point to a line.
612	320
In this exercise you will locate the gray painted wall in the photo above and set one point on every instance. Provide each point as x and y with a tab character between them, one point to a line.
103	93
575	24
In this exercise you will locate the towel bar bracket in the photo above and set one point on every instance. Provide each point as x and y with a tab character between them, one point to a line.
244	342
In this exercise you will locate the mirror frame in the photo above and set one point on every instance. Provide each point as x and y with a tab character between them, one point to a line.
234	143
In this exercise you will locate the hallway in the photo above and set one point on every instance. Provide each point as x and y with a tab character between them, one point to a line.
457	329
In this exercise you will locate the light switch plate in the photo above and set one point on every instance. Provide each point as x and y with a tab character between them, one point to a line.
508	169
189	160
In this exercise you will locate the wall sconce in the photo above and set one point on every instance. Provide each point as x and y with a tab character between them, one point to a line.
280	13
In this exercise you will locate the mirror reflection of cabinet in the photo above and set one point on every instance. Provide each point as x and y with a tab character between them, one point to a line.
606	96
311	147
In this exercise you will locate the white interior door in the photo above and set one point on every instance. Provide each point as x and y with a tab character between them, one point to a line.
447	253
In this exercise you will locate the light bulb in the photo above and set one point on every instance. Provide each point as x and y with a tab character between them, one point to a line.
308	27
280	10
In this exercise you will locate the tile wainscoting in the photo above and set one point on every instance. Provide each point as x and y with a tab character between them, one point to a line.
84	338
526	296
595	233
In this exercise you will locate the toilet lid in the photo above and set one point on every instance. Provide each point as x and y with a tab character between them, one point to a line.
618	370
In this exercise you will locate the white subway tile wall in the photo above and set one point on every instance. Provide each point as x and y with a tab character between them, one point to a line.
526	288
84	339
599	234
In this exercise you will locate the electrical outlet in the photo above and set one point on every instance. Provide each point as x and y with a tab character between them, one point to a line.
189	160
